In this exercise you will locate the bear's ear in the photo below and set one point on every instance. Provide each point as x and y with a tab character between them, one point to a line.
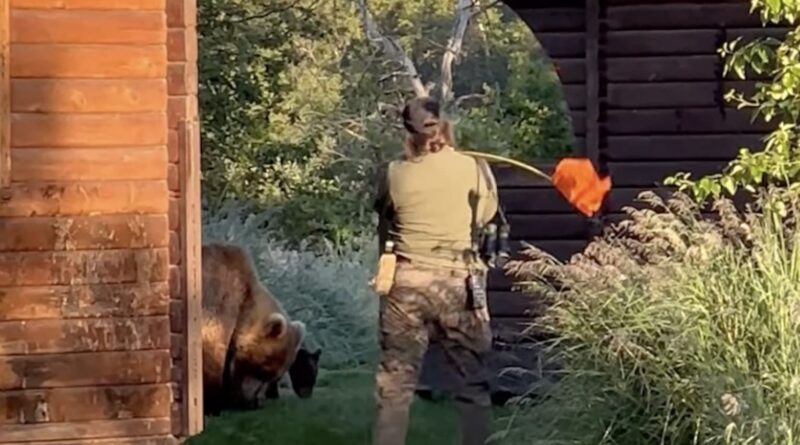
275	326
315	355
301	332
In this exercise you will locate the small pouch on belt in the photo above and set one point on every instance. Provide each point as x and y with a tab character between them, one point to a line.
384	277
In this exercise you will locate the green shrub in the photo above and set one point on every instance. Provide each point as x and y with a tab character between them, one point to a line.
328	291
672	329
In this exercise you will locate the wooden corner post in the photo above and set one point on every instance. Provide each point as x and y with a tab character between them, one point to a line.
593	9
5	93
182	22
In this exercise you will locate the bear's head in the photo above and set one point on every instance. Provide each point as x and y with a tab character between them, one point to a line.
266	352
303	372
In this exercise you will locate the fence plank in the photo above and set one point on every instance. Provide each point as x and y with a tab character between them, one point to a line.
680	147
85	430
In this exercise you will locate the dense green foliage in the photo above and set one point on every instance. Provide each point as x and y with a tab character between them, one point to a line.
298	108
673	329
777	60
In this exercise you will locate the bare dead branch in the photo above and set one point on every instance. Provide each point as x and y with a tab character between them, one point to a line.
461	99
465	11
391	47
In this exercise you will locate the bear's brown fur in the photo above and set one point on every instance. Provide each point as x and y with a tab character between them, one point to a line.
248	340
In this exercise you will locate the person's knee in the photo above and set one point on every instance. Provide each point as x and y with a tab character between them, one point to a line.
395	384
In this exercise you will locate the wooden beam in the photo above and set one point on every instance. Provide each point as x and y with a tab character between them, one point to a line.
192	268
134	5
85	430
91	27
88	96
5	95
592	80
89	61
89	130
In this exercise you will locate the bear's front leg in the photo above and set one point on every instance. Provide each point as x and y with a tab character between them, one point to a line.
272	391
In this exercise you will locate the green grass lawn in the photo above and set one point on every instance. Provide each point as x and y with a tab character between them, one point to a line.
339	413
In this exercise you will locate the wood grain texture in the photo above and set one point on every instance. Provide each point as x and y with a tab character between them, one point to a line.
83	267
115	402
673	15
144	440
88	26
93	335
85	430
677	42
553	19
88	369
89	130
136	5
83	233
88	61
84	301
5	95
84	198
684	121
674	94
59	165
547	227
637	174
88	96
680	147
563	44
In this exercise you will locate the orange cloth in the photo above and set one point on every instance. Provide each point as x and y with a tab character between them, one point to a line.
579	183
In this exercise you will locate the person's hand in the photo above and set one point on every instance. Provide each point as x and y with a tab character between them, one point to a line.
483	314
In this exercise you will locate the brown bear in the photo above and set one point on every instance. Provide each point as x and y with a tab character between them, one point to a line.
248	340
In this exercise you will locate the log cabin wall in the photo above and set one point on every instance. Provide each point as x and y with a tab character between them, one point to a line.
85	295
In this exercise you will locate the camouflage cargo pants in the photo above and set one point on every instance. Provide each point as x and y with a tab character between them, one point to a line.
427	305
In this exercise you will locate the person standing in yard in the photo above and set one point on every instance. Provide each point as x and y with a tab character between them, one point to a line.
433	204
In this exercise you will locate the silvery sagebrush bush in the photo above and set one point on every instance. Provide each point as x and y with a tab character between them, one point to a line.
328	291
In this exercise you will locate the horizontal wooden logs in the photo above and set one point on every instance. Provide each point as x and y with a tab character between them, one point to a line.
84	198
513	329
83	233
570	71
512	304
553	19
510	177
84	301
144	440
85	430
83	267
95	27
88	61
93	335
60	164
136	5
674	94
88	96
575	96
563	44
85	404
676	16
645	174
88	130
680	147
86	369
677	42
533	201
548	227
682	121
663	69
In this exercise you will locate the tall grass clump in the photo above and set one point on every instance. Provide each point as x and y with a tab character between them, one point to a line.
676	329
325	288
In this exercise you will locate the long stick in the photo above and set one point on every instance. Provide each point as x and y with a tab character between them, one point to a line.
503	159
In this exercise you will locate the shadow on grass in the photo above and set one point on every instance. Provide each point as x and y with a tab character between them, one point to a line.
340	413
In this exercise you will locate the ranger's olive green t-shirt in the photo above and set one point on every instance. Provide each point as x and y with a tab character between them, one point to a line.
436	200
